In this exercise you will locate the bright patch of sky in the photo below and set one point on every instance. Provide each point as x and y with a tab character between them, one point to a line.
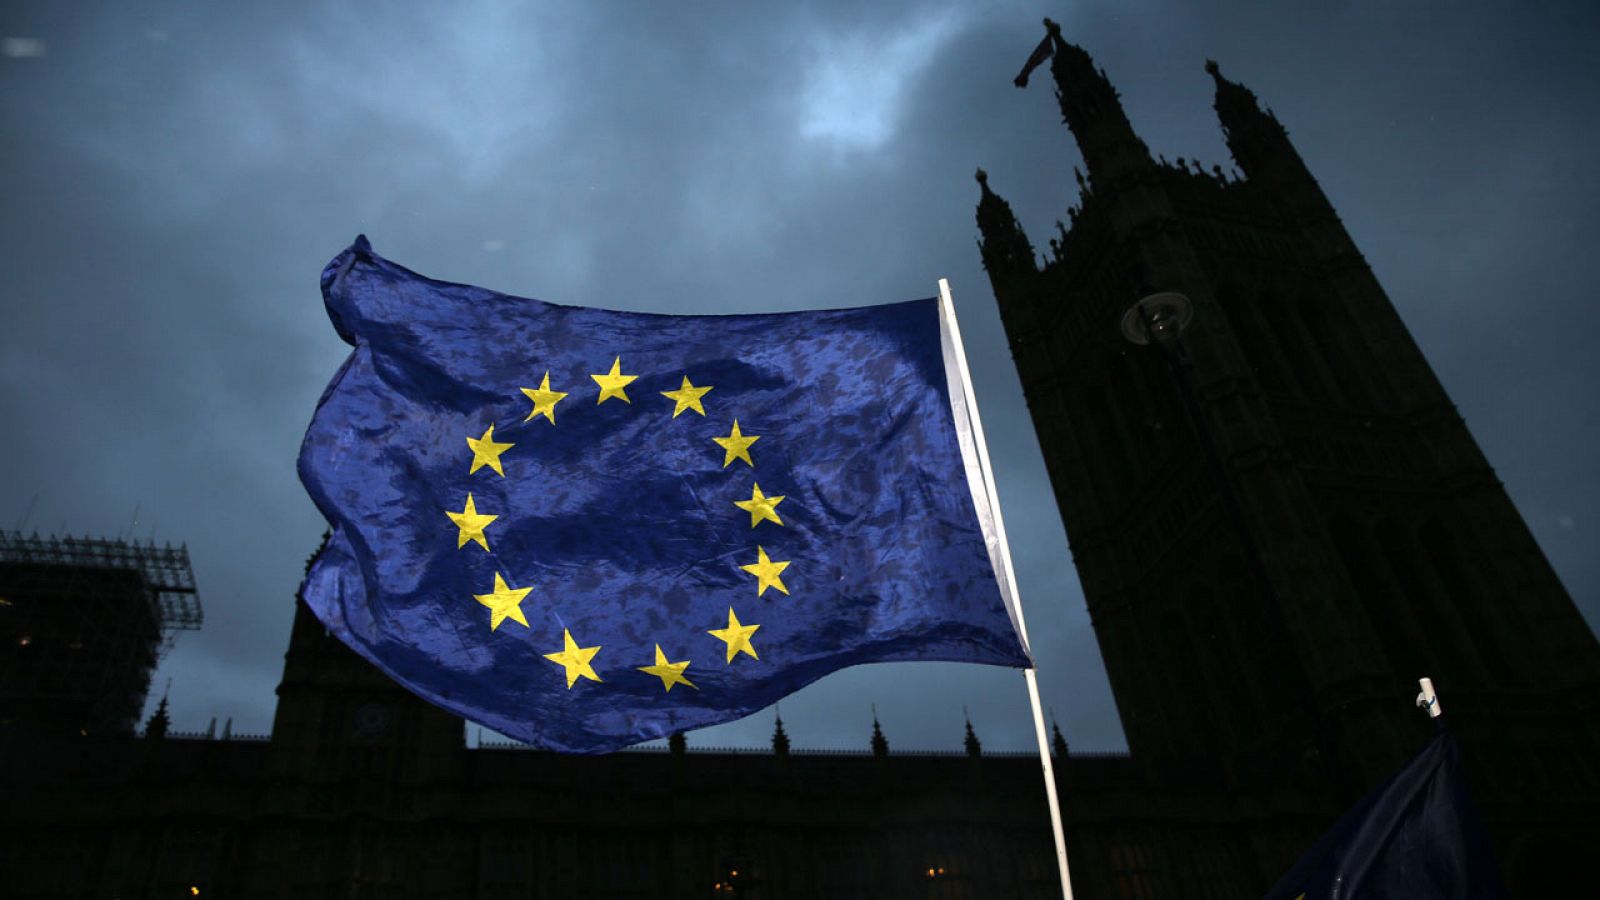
476	81
857	79
23	48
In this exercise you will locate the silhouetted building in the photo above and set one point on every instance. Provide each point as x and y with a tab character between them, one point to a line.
1262	633
1279	519
366	791
81	628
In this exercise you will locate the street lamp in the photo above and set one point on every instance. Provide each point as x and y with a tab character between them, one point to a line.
1162	315
1158	320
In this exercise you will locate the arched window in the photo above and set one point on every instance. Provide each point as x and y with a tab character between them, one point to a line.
1258	348
1287	342
1342	380
1135	400
1361	366
1109	440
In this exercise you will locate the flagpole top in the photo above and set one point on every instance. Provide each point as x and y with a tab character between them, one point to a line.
1428	700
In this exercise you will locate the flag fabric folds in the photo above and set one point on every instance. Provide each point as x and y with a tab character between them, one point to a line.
1415	836
585	528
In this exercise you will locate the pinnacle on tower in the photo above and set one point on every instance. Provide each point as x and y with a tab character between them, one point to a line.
1253	136
780	739
1233	99
1058	744
1092	109
160	720
1005	248
973	745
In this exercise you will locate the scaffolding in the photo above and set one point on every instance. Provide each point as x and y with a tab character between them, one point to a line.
83	623
166	571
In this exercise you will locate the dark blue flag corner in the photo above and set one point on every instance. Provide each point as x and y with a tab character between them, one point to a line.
586	528
1417	835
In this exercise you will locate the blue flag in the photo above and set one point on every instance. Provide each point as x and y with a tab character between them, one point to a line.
1415	837
585	528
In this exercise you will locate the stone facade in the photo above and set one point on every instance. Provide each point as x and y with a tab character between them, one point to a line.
1278	525
1280	521
365	791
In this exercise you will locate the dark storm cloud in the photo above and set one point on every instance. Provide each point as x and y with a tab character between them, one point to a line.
176	177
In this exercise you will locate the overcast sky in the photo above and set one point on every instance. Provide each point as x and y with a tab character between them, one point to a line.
174	177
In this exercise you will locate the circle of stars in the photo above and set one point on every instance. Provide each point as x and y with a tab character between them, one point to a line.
504	601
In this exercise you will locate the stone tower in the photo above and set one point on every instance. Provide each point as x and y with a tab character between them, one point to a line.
340	718
1281	521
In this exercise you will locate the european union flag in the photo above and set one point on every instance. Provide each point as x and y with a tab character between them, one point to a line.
1415	836
586	528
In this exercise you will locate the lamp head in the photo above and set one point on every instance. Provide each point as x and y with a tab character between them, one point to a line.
1161	316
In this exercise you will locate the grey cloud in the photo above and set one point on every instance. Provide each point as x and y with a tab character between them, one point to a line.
171	201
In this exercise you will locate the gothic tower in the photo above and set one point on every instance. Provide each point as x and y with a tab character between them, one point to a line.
340	718
354	764
1281	522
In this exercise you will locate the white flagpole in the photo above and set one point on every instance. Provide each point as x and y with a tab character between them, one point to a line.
948	308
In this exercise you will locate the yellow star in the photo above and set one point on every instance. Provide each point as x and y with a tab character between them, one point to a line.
613	382
486	452
670	673
687	397
544	400
736	636
471	524
737	445
574	659
505	602
766	572
760	507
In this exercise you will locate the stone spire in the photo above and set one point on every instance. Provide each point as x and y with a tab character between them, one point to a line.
1255	138
1005	248
780	740
1091	108
160	720
1058	744
973	745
